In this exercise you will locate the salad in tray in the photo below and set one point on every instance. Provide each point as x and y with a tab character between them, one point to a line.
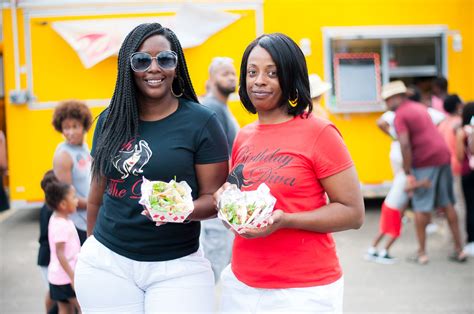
166	201
250	209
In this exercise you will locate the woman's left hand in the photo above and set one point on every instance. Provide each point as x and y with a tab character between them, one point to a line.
275	222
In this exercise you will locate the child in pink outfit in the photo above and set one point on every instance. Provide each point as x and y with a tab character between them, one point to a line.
63	241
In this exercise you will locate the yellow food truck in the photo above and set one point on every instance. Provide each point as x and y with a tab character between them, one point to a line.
55	50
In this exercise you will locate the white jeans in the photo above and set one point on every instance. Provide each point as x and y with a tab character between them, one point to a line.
237	297
106	282
397	198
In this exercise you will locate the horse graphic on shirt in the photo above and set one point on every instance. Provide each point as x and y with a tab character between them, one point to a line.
131	161
237	176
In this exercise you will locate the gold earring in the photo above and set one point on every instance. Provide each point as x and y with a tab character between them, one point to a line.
294	102
177	96
182	88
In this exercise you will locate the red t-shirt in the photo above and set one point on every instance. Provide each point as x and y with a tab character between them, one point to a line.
428	146
291	158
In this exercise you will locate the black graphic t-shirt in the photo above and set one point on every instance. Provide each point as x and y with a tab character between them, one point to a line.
163	150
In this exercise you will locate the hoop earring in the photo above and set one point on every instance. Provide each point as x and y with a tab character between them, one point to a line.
293	103
177	96
182	89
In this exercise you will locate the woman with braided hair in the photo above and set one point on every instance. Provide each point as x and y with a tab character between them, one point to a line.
153	128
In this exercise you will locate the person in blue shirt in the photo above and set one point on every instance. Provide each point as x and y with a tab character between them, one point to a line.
216	240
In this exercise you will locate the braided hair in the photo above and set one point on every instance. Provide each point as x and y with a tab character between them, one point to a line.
121	116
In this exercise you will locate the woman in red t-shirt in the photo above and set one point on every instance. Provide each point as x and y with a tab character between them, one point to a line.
290	265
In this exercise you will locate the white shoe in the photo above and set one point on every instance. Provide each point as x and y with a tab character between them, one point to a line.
431	228
386	259
469	249
371	254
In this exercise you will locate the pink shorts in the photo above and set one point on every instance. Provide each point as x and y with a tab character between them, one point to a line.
390	221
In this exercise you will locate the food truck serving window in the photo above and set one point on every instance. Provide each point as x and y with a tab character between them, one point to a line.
358	60
349	89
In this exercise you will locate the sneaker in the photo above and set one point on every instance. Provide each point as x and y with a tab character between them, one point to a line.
431	228
469	249
386	259
371	254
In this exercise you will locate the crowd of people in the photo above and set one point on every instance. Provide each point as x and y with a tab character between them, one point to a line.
126	262
431	157
155	127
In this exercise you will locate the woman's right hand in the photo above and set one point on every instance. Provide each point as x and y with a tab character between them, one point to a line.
217	196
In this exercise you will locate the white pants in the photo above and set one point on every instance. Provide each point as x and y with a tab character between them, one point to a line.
397	197
237	297
106	282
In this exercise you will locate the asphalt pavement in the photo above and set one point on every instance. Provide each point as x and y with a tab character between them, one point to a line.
441	286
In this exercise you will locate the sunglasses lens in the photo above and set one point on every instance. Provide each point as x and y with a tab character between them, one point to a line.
167	60
140	62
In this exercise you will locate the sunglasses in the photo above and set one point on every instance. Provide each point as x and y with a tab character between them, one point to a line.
141	61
